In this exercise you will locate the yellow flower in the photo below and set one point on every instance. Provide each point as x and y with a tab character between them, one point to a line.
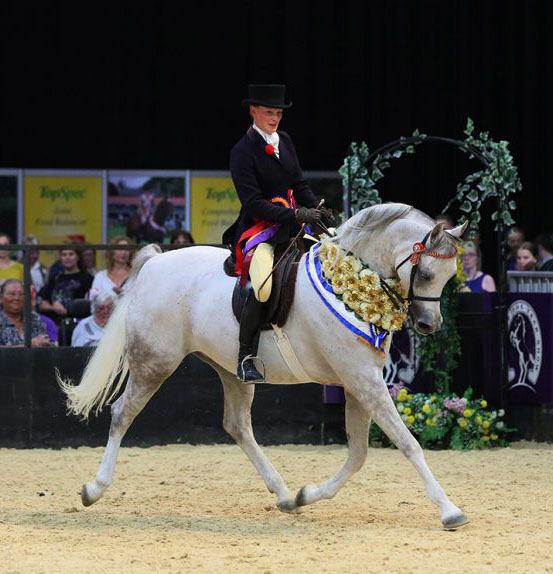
329	269
468	413
402	395
463	423
369	279
410	419
375	318
433	398
483	404
478	420
485	438
351	282
338	284
407	410
332	251
397	322
354	263
486	424
494	436
426	408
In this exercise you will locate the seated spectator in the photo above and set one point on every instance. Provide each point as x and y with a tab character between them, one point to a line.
12	330
544	243
118	267
476	281
89	260
89	331
70	283
515	238
527	257
8	269
57	266
39	272
182	237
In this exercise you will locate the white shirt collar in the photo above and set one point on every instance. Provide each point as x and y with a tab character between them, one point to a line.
271	139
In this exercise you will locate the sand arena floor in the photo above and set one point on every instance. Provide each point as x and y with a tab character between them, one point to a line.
202	509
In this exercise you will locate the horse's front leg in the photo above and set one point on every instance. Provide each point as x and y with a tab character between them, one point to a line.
357	427
378	402
237	422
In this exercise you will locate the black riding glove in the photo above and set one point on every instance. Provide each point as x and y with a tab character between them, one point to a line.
310	216
327	217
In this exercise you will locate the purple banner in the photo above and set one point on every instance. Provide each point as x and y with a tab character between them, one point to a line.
530	340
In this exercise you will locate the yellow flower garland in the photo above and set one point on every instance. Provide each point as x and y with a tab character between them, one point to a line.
360	289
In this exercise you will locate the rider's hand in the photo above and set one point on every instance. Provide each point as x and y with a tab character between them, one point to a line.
308	215
327	217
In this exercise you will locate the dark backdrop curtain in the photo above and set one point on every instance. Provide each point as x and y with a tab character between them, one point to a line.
158	85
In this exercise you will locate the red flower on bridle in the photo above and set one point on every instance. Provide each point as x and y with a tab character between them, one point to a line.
269	149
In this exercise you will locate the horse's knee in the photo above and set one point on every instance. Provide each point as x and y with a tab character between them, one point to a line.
238	431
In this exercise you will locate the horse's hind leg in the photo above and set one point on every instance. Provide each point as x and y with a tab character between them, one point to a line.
123	411
237	422
357	427
388	419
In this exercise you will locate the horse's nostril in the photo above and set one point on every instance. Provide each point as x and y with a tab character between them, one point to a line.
424	327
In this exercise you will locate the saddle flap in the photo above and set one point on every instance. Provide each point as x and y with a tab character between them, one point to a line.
282	294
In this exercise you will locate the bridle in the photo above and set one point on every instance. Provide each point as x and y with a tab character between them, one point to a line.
419	249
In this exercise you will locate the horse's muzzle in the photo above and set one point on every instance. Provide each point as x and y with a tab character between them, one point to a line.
426	323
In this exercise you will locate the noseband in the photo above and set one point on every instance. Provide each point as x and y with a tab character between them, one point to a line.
419	249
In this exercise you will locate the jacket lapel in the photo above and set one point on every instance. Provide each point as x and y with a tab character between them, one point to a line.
258	141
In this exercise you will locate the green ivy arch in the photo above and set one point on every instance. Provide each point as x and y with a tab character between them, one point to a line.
498	178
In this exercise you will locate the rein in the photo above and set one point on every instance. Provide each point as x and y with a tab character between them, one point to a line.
419	249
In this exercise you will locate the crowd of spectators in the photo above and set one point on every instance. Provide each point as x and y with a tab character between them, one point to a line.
71	301
523	255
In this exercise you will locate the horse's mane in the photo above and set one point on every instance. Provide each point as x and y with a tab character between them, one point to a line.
357	230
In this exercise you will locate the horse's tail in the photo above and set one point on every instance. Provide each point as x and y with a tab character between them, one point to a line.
107	367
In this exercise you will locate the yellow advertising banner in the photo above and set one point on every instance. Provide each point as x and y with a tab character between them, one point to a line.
62	208
214	206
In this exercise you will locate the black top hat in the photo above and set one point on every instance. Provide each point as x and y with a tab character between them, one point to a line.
269	95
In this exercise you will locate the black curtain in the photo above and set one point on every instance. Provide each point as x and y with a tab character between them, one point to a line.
158	85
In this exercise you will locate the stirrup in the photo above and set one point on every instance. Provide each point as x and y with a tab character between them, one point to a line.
242	376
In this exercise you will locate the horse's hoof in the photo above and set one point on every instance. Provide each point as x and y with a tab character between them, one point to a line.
88	494
288	506
306	495
454	521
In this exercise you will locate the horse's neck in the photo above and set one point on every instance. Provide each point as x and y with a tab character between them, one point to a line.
379	253
385	247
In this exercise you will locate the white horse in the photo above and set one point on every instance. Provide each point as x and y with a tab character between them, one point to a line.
179	302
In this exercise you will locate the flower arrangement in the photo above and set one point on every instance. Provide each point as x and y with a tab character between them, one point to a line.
359	288
448	421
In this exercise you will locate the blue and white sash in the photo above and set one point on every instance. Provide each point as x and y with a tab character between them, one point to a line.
368	333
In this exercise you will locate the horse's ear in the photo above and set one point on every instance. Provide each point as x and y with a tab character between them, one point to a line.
437	233
459	230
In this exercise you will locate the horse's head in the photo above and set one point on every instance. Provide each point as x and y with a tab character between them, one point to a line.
394	238
424	271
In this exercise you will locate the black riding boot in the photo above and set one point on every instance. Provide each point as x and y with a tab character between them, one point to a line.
250	324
